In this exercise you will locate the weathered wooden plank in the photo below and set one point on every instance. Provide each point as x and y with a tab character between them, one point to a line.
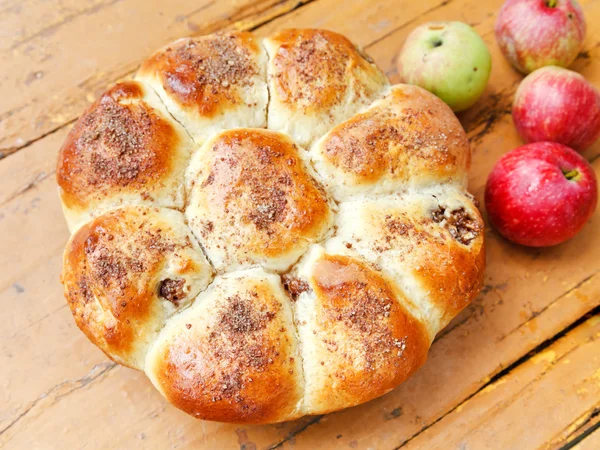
529	297
53	69
33	113
23	20
24	170
513	412
591	442
582	428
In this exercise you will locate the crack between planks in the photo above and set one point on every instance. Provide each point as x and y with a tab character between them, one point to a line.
80	383
32	184
5	152
291	435
14	335
515	395
571	444
504	372
299	4
195	11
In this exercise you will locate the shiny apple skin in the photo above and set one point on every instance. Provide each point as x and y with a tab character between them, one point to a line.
558	105
529	199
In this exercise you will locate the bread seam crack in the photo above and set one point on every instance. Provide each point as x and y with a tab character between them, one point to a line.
268	105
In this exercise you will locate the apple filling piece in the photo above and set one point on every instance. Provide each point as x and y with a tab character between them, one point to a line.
294	286
461	225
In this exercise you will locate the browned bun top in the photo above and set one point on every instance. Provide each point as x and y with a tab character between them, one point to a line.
409	138
251	199
451	267
430	242
211	83
125	272
311	67
359	340
317	78
203	73
232	357
124	146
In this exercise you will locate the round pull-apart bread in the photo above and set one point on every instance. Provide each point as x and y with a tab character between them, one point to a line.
266	227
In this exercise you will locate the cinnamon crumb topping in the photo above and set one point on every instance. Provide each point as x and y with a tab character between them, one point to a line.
203	72
111	261
115	147
237	338
311	66
363	302
241	316
115	136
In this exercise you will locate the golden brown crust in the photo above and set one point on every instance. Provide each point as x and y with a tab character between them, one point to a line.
446	256
451	269
203	73
435	240
232	357
122	146
365	342
311	68
317	79
114	145
408	135
114	276
252	197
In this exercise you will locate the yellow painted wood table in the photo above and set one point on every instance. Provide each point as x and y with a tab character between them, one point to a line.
519	368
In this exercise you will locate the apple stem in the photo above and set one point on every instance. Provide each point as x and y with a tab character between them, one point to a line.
570	174
551	3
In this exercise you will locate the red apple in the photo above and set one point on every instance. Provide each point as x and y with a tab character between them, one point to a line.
537	33
559	105
541	194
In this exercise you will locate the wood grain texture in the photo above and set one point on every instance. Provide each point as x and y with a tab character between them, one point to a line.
79	48
568	371
58	391
591	442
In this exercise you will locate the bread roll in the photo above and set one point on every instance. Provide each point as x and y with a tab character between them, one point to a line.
317	79
211	83
358	339
125	149
430	242
232	356
126	272
409	138
252	200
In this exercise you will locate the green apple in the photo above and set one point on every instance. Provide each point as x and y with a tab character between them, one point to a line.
448	59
